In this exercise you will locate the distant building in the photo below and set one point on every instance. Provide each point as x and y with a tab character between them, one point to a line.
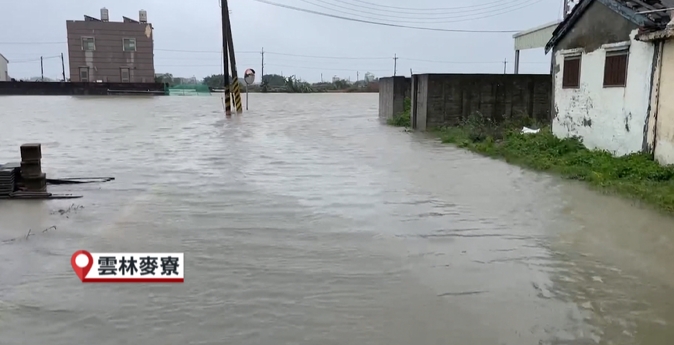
101	50
4	73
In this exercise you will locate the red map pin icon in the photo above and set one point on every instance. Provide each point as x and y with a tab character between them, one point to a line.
81	262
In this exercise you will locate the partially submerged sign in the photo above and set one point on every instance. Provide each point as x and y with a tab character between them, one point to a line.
249	76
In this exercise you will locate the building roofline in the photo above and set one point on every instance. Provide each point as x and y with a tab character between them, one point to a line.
538	28
2	56
567	24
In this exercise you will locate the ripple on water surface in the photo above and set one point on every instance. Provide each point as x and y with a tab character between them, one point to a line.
305	221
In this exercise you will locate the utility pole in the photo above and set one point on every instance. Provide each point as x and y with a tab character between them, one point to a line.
357	76
505	64
262	53
395	64
321	77
63	67
236	86
225	60
41	68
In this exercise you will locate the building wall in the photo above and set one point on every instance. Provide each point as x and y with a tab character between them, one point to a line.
613	118
598	25
4	73
392	94
76	88
535	38
446	99
419	98
664	127
106	62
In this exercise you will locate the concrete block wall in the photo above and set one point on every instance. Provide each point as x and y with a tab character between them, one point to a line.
447	99
392	94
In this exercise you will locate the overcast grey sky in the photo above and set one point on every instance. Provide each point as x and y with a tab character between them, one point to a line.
194	25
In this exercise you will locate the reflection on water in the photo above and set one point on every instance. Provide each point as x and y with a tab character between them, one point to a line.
308	222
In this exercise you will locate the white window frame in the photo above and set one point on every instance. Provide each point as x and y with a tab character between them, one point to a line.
124	45
85	46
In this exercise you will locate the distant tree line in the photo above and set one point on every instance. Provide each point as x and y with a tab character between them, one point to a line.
279	83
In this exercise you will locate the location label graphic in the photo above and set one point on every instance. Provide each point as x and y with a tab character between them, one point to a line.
129	267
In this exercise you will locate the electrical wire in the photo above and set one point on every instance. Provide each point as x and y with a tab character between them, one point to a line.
434	9
330	57
203	51
382	23
35	59
506	7
19	43
277	53
327	57
289	66
467	62
423	11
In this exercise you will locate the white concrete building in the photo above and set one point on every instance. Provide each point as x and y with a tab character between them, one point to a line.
4	71
606	77
533	38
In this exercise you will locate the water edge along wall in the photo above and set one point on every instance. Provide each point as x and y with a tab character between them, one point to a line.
446	99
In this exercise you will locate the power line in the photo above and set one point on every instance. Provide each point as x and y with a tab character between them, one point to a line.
435	9
329	57
35	60
466	62
282	54
202	51
411	10
290	66
381	23
19	43
493	11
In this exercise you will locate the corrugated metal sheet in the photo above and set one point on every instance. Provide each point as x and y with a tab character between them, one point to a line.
535	38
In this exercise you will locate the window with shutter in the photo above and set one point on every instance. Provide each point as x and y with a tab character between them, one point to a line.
571	72
84	74
615	68
125	75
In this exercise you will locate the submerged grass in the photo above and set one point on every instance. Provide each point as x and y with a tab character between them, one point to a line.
403	119
636	175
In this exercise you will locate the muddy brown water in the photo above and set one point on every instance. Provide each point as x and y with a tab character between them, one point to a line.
306	221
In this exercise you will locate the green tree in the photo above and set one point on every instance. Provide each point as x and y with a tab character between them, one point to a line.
164	78
341	84
215	81
294	85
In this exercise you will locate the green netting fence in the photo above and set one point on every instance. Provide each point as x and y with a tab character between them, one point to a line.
189	90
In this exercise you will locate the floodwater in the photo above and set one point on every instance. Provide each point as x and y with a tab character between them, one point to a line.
305	221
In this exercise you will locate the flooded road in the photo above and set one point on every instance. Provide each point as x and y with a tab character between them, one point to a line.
305	221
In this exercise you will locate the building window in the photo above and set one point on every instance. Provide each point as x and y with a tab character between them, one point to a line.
129	44
571	76
84	74
88	43
125	75
615	68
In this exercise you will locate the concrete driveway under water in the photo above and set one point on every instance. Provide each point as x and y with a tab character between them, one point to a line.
305	221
